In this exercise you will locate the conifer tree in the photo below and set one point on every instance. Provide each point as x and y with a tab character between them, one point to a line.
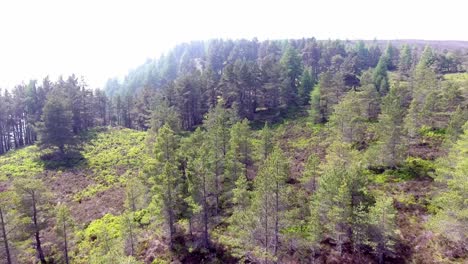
406	61
239	154
348	119
392	146
450	216
305	87
266	142
64	229
425	87
57	117
268	202
311	173
292	69
7	220
339	193
33	207
455	125
201	180
166	177
382	217
218	123
381	75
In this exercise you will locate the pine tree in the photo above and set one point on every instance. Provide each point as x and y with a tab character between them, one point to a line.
266	143
33	207
406	61
425	86
348	119
268	201
392	146
166	177
311	173
7	220
339	193
218	123
292	69
455	125
381	75
64	229
57	127
382	217
201	180
316	110
239	154
450	217
305	87
134	194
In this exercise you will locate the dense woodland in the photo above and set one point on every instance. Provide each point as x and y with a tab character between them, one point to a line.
291	151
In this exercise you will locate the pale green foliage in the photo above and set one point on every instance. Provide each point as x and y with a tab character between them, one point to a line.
266	143
340	190
315	111
34	209
239	154
134	194
348	119
391	147
20	163
101	241
64	228
166	178
382	217
8	222
406	60
451	219
424	105
268	203
455	125
311	173
114	153
164	114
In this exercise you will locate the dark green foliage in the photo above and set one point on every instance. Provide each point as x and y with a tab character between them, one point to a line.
57	129
381	76
306	86
291	192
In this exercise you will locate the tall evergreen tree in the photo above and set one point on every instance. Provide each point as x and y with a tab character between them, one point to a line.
305	87
167	177
292	70
34	209
57	128
269	202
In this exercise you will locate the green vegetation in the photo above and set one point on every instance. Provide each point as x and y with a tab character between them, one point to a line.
224	161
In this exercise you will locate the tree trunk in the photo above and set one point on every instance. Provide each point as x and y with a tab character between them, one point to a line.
266	230
205	214
171	215
40	252
132	247
67	261
276	216
5	239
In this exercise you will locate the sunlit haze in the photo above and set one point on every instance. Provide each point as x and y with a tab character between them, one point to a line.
103	39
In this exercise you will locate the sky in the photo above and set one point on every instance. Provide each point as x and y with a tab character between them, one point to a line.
100	39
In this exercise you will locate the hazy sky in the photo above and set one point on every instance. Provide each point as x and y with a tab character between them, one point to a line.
100	39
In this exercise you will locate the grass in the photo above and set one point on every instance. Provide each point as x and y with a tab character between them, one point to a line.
111	155
115	153
456	77
23	162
